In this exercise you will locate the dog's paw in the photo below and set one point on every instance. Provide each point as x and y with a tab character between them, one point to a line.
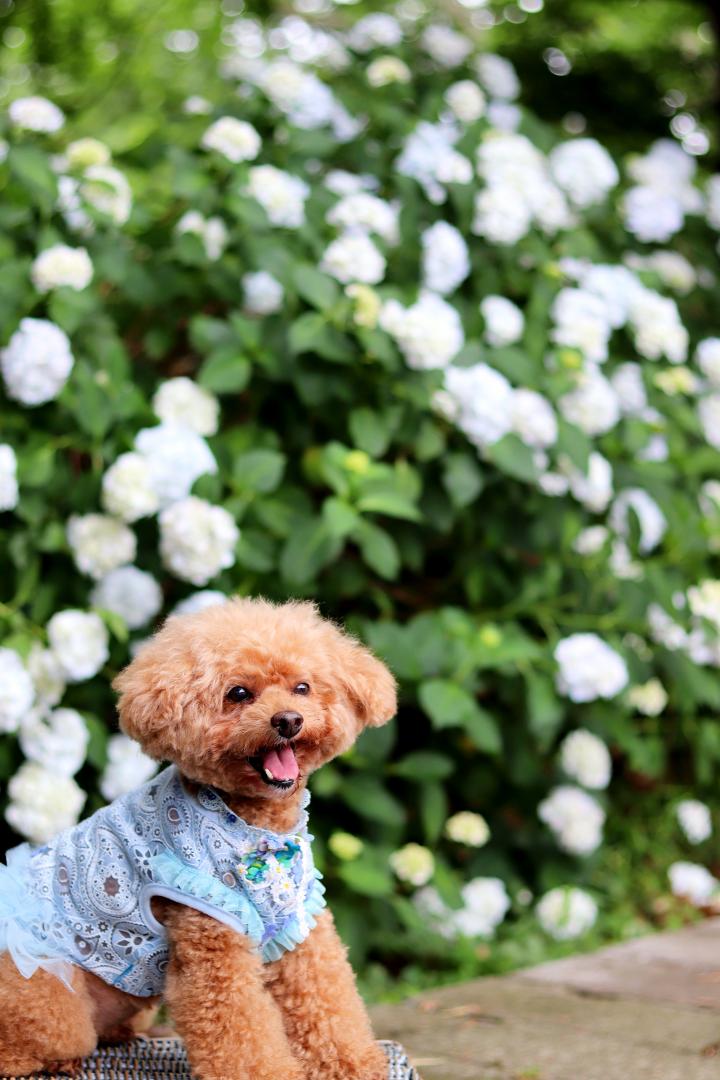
369	1063
72	1067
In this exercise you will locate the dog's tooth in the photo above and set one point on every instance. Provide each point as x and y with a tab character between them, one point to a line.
269	774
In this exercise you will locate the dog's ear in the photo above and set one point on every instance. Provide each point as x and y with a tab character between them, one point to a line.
367	683
151	701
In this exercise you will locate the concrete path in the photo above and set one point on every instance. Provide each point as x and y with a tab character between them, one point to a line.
645	1010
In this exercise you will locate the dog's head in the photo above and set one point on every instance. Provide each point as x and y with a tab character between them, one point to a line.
250	696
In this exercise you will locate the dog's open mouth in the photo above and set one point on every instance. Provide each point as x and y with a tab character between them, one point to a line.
277	766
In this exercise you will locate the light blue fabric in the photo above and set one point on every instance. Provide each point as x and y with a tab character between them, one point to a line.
85	897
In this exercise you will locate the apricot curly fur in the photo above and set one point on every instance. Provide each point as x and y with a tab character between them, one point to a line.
299	1017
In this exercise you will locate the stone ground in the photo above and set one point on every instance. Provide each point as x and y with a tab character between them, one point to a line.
645	1010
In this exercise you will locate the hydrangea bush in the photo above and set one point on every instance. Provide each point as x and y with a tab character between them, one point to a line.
361	329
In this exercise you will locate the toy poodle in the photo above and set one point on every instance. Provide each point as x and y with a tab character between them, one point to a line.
199	887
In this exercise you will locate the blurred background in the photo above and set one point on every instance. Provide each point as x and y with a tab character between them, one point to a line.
412	310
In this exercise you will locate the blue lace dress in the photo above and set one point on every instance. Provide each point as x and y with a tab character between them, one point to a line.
84	898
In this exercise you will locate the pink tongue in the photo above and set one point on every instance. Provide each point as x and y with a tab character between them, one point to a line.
282	763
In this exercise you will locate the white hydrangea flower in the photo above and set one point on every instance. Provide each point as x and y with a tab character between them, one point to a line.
71	206
704	601
342	182
649	698
36	114
694	883
658	331
376	30
584	169
429	156
628	383
500	216
82	153
57	741
712	192
594	489
707	357
445	258
652	215
195	105
42	803
79	640
8	478
672	268
582	321
17	692
128	491
593	405
709	416
533	419
466	100
566	913
616	286
428	333
483	403
37	362
498	76
353	257
446	46
664	630
262	293
197	539
485	904
107	190
413	863
100	543
47	675
591	540
695	820
198	601
467	828
575	818
652	521
129	592
585	758
588	668
504	321
235	139
363	212
211	231
183	401
504	115
176	457
127	767
281	195
61	266
307	102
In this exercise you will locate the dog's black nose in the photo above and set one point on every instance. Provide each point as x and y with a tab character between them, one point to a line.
287	723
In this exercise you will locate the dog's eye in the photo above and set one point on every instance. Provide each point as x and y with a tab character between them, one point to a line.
239	693
301	688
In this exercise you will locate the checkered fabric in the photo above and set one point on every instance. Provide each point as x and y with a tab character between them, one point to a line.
165	1059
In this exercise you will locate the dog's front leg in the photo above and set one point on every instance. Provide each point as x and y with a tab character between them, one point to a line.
325	1018
232	1027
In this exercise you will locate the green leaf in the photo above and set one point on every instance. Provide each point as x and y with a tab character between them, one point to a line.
513	457
370	799
462	478
31	167
339	516
483	731
424	765
259	470
308	548
369	432
225	371
315	287
544	709
378	549
369	874
433	804
446	703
